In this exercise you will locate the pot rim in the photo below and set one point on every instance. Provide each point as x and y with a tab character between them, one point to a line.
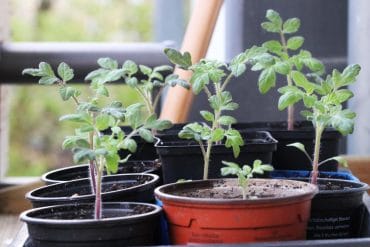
31	197
159	143
24	216
362	188
45	177
311	191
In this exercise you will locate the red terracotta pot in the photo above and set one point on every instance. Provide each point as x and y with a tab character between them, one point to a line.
210	220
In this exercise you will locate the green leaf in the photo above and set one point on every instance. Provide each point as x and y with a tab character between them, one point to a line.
237	69
343	95
130	67
182	60
130	145
343	121
282	68
234	140
314	65
226	120
208	116
67	92
231	169
108	63
349	74
32	72
163	68
82	154
309	100
198	82
102	121
290	95
174	80
291	25
301	81
75	141
295	42
112	163
274	17
77	117
298	145
342	161
65	72
146	135
266	80
46	80
46	69
145	70
273	46
217	135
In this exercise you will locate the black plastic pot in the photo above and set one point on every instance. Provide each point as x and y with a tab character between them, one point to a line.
337	213
82	171
123	224
182	159
126	187
290	158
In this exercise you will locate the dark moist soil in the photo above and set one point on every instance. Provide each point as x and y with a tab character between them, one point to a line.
87	212
139	167
256	190
114	186
330	186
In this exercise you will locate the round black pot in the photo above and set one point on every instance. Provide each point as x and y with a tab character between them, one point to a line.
123	224
339	212
126	187
82	171
145	150
182	159
290	158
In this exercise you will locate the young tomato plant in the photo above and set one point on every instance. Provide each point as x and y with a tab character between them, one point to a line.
212	77
278	57
91	117
150	87
323	101
244	173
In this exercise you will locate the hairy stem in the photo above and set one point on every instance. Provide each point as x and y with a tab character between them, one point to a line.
290	118
316	155
98	201
227	80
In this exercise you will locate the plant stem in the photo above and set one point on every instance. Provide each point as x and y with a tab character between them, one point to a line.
227	80
92	165
290	118
98	189
316	155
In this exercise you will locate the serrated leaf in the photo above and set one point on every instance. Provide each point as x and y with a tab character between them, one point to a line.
76	117
65	72
32	72
287	99
182	60
266	80
47	80
112	163
145	70
282	68
67	92
343	95
198	82
102	121
274	17
350	74
46	69
301	81
208	116
217	135
226	120
146	135
273	46
108	63
343	121
291	25
314	65
309	100
295	42
130	67
130	145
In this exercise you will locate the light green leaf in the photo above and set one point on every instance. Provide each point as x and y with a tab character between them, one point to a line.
182	60
108	63
226	120
130	67
146	135
291	25
65	72
295	42
266	80
102	122
217	135
208	116
145	70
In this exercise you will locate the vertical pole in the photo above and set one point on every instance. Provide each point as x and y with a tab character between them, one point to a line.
358	52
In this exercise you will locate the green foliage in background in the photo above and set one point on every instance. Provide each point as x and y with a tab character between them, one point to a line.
34	145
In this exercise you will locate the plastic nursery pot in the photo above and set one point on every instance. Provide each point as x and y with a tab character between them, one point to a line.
182	159
337	210
136	187
293	174
122	224
290	158
82	171
275	210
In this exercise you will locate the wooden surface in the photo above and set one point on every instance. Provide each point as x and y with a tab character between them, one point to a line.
196	41
12	198
360	167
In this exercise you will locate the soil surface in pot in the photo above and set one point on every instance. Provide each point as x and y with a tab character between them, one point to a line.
86	212
106	187
257	189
